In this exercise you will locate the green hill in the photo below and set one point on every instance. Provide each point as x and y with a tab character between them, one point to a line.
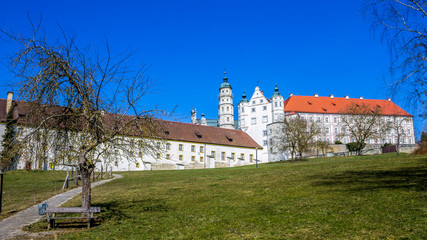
368	197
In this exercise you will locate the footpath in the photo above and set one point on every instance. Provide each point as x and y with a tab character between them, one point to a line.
12	227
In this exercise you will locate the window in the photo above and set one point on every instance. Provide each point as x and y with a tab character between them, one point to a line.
233	156
222	156
410	140
335	120
409	131
158	145
137	164
116	152
264	119
140	154
275	104
261	101
336	130
326	119
228	108
253	102
168	156
158	155
318	119
213	154
131	143
228	119
265	143
181	157
201	159
253	121
193	158
243	109
168	146
327	130
242	156
131	153
264	108
264	132
251	158
253	110
181	147
193	148
311	119
116	163
202	149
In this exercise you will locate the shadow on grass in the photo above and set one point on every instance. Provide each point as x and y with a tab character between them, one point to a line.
414	178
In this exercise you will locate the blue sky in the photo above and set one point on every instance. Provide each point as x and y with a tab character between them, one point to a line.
305	47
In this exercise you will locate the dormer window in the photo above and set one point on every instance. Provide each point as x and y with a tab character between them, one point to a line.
334	104
309	103
198	134
229	139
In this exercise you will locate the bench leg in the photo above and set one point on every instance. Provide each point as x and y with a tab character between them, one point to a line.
51	224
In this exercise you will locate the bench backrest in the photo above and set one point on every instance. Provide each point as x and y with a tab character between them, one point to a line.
73	210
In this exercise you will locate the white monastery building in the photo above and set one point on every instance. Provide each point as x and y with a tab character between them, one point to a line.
181	146
259	115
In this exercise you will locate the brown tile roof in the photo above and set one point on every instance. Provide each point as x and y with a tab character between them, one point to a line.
204	134
177	131
312	104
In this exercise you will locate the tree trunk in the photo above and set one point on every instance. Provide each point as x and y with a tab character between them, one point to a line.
86	190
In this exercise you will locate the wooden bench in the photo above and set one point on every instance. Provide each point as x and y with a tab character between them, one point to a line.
88	214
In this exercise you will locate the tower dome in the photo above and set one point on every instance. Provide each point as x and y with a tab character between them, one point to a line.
225	83
276	92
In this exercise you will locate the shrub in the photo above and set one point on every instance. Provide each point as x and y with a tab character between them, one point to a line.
338	142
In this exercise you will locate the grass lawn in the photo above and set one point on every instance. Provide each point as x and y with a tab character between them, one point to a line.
22	189
368	197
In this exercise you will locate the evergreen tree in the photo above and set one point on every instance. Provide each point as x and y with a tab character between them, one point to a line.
8	143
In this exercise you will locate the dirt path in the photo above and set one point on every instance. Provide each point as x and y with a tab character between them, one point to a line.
12	227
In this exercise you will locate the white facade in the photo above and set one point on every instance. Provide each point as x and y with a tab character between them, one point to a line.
256	113
184	155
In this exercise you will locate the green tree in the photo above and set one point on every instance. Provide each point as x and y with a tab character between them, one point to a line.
8	143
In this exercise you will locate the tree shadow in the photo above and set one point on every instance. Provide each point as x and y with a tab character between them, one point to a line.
414	178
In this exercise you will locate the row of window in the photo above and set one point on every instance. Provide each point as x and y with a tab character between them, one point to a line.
213	155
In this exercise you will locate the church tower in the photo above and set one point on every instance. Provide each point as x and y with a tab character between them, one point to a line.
225	106
278	108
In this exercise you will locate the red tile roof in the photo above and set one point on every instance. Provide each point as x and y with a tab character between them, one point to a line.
174	130
312	104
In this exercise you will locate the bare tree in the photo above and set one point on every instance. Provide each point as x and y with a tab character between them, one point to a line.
323	146
402	24
360	122
398	127
296	136
85	105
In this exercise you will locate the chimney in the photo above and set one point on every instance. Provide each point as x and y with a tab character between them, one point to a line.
291	94
316	95
9	101
331	96
347	97
361	97
389	99
102	112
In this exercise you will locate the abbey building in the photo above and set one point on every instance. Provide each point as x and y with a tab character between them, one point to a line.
259	115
